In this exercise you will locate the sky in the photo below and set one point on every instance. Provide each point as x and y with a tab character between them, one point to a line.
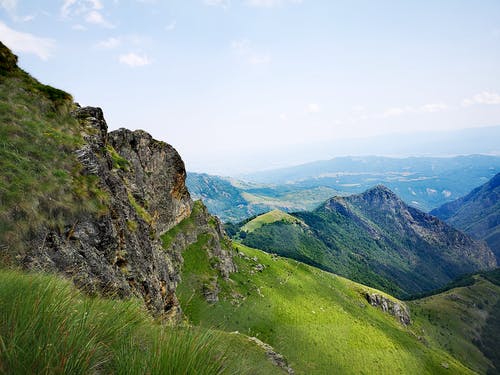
242	85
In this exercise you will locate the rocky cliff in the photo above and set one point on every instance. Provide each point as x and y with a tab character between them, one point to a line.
119	251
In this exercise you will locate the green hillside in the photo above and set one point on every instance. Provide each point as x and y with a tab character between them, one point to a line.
269	218
41	180
320	322
465	321
376	239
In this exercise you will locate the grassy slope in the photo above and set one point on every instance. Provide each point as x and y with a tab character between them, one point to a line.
39	174
319	321
463	320
268	218
47	327
335	244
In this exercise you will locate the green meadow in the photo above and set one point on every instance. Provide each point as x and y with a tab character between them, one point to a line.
320	322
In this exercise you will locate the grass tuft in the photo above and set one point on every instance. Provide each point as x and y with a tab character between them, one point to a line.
47	327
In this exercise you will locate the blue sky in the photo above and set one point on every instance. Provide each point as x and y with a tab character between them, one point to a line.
239	84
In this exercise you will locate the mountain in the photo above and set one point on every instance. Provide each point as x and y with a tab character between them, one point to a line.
109	266
376	239
233	200
477	213
422	182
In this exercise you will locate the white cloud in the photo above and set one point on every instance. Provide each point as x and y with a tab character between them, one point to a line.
218	3
94	17
66	8
88	9
434	107
241	46
270	3
109	43
426	108
313	108
283	117
21	42
397	111
171	26
27	18
446	193
485	97
8	5
134	60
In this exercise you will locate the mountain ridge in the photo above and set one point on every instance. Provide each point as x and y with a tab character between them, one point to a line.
376	239
477	213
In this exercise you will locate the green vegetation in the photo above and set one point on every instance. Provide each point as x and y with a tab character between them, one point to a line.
40	176
269	218
320	322
47	327
465	321
141	211
372	238
423	182
119	162
186	225
234	201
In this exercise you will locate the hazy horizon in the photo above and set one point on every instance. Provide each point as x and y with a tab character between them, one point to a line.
245	85
476	141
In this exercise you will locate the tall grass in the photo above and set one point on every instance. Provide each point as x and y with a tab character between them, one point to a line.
47	327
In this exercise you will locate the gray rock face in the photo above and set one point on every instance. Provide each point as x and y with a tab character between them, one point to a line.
393	308
155	178
119	253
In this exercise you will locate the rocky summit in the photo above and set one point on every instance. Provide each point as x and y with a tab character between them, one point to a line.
119	251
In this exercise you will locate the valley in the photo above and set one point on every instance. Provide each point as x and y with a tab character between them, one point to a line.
422	182
109	264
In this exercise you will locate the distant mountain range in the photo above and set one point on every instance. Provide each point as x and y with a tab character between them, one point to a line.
374	238
111	214
422	182
477	213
